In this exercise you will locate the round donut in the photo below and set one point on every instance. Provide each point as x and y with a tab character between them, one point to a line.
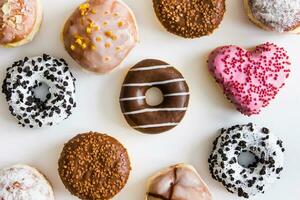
249	180
154	119
274	15
28	74
20	21
190	18
100	34
102	166
180	181
22	182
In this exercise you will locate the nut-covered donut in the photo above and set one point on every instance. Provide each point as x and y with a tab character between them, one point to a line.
163	117
190	18
100	34
20	21
249	180
180	181
22	182
275	15
28	74
94	166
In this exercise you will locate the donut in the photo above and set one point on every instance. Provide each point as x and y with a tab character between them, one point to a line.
250	180
100	34
250	79
180	181
102	166
20	21
274	15
190	18
22	182
24	76
147	74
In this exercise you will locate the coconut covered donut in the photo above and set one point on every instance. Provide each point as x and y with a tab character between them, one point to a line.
25	76
22	182
20	21
275	15
250	180
180	181
100	34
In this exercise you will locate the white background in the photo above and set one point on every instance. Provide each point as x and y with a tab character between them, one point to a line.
98	106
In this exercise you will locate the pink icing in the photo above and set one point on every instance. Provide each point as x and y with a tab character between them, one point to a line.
250	79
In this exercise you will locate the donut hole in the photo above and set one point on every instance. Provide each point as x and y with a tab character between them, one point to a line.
154	96
247	159
41	92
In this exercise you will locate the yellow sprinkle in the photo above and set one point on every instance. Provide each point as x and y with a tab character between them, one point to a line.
107	45
88	30
105	23
118	48
94	11
120	24
73	47
97	28
115	14
78	41
98	39
83	46
93	47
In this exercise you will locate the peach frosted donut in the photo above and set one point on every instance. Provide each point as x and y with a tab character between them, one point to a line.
100	34
20	21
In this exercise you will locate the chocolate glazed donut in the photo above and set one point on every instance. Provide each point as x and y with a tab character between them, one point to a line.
154	119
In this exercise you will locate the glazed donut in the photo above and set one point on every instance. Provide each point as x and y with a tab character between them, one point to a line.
274	15
249	180
20	20
190	18
154	119
180	181
100	34
22	182
26	75
250	79
102	166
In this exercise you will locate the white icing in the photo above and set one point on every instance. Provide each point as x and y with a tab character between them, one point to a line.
156	125
151	68
153	83
144	97
279	14
24	183
155	110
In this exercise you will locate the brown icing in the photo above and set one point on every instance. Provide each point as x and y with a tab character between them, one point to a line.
100	34
178	182
17	20
154	119
94	166
190	18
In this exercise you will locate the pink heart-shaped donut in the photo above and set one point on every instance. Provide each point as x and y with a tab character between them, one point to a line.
250	79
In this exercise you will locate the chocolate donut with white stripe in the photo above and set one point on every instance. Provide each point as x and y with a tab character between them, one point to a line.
163	117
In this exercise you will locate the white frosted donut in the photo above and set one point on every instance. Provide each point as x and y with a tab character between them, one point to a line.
275	15
180	181
28	74
249	180
22	182
20	20
100	34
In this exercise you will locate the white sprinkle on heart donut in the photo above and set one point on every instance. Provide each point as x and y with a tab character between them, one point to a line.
250	79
